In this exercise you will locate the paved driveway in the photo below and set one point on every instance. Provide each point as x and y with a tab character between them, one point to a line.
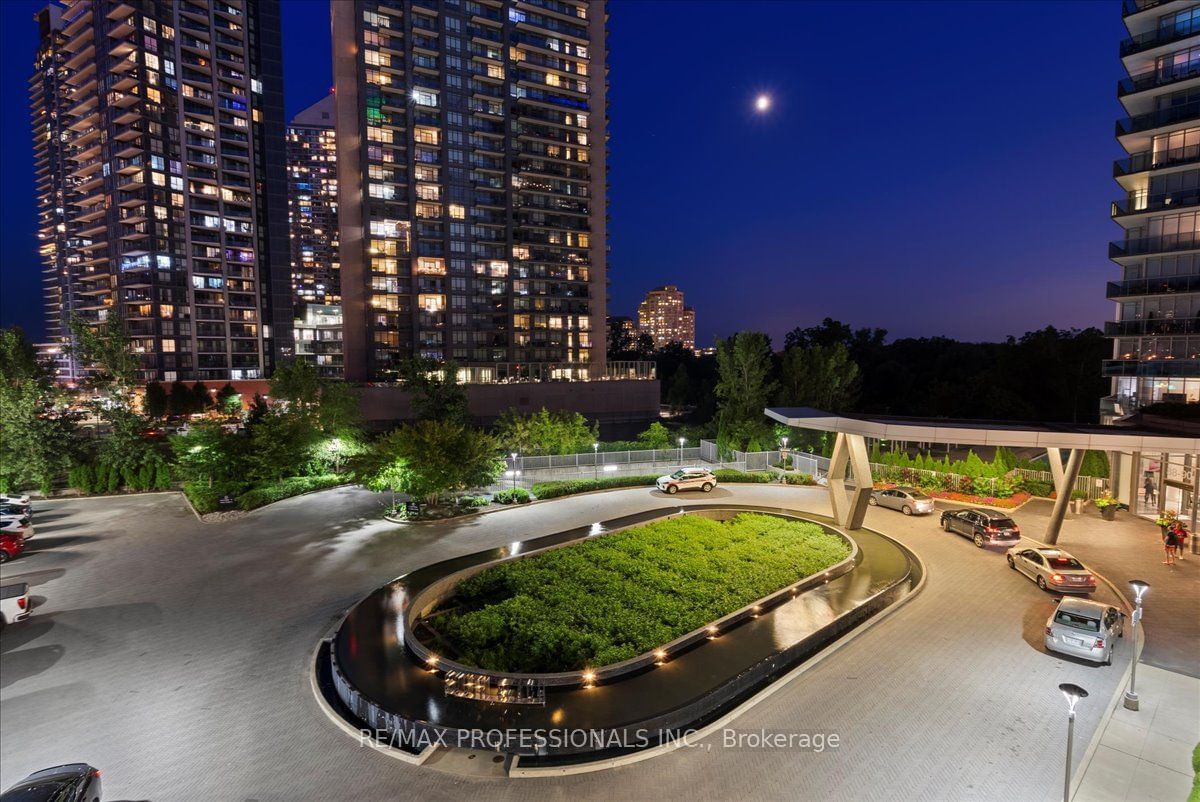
175	656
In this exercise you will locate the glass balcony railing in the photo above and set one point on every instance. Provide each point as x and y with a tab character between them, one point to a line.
1139	204
1130	7
1150	160
1161	285
1151	368
1158	118
1152	79
1160	36
1148	326
1166	243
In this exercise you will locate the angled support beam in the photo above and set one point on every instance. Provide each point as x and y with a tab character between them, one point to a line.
849	509
1064	482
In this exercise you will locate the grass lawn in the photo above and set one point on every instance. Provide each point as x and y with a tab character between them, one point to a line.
604	600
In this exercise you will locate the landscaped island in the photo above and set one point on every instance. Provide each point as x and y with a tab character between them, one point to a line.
607	599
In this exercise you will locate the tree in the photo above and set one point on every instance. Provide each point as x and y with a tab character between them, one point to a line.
156	401
744	389
105	348
229	401
656	436
545	432
37	440
297	383
201	399
434	390
209	454
280	445
821	376
680	388
338	412
430	459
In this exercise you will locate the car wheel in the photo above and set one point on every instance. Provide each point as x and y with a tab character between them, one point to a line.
1108	659
1041	582
3	556
945	525
672	490
1012	563
978	539
872	501
707	487
907	510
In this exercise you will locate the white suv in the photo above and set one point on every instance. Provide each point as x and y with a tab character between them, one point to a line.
687	479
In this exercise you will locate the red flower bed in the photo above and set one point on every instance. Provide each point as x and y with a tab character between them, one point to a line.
1015	500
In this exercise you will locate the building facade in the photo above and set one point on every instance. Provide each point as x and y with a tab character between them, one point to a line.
1156	333
312	206
471	144
663	316
161	180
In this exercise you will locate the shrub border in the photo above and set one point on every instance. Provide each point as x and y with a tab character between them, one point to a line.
430	596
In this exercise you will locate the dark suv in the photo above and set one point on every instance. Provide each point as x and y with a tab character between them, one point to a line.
982	526
74	782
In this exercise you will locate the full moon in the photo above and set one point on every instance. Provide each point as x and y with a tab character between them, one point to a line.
762	103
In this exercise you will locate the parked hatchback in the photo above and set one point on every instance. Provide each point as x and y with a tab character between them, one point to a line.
1052	569
907	500
11	546
73	782
982	526
687	479
1086	629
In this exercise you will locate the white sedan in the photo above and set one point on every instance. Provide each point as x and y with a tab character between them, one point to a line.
687	479
1052	569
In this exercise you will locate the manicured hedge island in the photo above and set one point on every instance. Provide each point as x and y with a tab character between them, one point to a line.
617	596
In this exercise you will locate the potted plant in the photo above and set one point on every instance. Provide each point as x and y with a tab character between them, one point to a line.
1107	506
1165	519
1078	498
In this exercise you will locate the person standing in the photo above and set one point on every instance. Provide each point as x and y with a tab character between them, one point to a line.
1148	486
1170	541
1181	539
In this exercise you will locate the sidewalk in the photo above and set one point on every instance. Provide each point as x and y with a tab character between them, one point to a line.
1147	754
1131	548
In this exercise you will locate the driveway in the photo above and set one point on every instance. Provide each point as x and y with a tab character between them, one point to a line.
175	656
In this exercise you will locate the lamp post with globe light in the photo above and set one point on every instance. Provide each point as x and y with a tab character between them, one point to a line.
1139	590
596	460
682	440
1073	693
514	470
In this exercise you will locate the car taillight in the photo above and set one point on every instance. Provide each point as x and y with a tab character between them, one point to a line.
1099	643
1048	631
1089	579
991	529
21	602
1056	578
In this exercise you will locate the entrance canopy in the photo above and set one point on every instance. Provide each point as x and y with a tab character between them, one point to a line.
849	496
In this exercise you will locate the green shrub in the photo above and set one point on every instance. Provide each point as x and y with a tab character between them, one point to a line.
610	598
474	501
517	495
1078	495
204	498
1035	487
271	492
730	475
82	478
568	487
114	480
799	479
162	476
129	477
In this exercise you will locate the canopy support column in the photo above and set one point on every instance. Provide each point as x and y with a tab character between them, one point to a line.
849	451
1064	483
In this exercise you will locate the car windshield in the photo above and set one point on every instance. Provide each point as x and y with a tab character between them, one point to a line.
1065	563
1075	621
1003	523
918	496
678	475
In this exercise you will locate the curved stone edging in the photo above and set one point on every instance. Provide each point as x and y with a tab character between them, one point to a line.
438	592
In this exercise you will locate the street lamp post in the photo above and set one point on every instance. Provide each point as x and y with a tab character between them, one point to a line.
596	460
514	470
682	440
1073	693
1139	590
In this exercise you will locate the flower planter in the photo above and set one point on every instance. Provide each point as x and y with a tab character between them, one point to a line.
1109	513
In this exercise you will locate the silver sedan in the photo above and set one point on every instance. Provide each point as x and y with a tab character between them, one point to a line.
1052	569
907	500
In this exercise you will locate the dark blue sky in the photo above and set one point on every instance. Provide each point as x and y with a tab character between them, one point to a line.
930	168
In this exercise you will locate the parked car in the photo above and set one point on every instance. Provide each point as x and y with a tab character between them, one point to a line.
11	545
982	526
687	479
74	782
16	526
1052	569
14	509
908	500
1083	628
8	498
14	603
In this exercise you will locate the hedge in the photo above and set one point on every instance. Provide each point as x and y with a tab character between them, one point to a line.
286	488
610	598
730	475
799	479
517	495
567	487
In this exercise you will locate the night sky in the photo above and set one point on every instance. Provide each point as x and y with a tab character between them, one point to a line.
928	168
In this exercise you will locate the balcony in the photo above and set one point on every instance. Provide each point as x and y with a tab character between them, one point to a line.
1152	79
1152	326
1168	243
1165	201
1162	285
1159	37
1184	112
1154	368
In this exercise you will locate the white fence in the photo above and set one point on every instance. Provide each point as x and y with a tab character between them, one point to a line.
590	459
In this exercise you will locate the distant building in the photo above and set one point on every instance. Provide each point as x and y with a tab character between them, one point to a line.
318	334
312	206
664	317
